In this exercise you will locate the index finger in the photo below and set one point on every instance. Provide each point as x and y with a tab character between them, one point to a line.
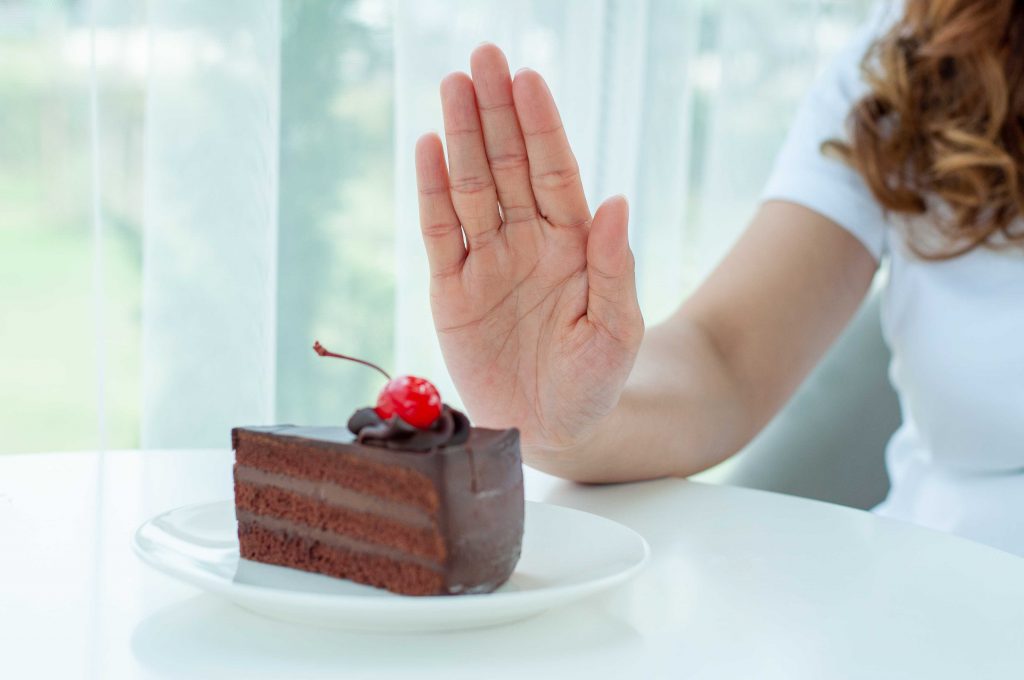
554	173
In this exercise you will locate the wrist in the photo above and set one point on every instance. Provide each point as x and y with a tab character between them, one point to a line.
585	460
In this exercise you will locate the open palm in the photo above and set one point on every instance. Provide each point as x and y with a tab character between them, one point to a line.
534	299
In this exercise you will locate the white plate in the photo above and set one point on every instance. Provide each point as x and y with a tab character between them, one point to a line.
567	554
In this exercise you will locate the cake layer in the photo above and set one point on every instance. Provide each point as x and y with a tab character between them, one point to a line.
275	542
337	495
330	538
315	460
307	511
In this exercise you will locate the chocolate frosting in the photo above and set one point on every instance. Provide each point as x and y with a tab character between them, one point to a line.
450	429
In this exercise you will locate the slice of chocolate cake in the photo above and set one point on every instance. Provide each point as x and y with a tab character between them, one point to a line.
416	510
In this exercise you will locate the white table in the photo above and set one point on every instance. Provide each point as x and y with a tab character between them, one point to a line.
743	584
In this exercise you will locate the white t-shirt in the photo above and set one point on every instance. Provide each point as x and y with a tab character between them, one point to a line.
955	328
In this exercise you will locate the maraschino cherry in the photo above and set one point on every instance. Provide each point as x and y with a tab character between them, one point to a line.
414	400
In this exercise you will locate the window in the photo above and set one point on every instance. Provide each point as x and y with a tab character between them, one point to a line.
191	193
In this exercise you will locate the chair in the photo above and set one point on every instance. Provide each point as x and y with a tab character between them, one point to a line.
828	443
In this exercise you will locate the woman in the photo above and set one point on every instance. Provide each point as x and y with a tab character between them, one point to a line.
910	147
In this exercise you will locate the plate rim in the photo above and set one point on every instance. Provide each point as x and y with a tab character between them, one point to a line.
550	595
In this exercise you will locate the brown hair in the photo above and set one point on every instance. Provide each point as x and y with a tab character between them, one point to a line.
944	119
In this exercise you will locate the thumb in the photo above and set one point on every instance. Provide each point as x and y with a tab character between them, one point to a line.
611	299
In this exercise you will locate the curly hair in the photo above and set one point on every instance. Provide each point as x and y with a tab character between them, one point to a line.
941	130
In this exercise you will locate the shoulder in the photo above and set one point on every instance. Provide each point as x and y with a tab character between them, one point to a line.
842	82
803	173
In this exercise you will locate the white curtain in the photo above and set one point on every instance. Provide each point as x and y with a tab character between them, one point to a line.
678	104
623	86
209	265
219	184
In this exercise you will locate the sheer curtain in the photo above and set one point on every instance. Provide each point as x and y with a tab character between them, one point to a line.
209	262
624	87
677	104
194	191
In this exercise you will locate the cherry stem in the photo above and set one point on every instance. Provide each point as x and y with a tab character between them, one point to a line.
322	351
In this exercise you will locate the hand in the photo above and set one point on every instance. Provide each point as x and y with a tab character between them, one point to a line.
534	300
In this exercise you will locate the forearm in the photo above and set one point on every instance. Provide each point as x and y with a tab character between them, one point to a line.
708	379
680	413
538	315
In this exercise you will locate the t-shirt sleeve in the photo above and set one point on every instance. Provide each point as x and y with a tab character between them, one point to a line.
803	174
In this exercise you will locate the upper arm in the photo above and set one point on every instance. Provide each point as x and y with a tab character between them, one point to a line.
796	277
778	300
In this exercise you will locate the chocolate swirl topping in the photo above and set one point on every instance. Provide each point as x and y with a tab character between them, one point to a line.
450	429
